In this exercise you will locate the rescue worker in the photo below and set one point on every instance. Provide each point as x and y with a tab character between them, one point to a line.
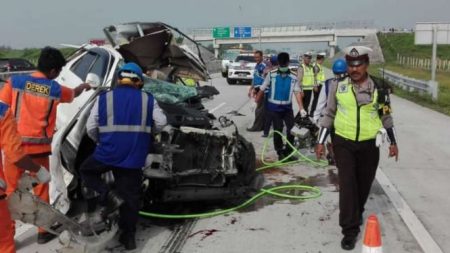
11	145
267	120
258	79
282	84
319	80
34	99
340	73
121	122
305	75
364	108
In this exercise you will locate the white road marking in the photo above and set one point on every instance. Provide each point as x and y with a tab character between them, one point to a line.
426	242
217	107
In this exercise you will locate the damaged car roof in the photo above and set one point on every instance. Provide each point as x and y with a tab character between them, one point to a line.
158	46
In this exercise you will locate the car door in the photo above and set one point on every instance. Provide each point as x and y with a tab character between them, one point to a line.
95	60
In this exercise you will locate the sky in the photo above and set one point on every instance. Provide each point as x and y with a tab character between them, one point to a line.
52	22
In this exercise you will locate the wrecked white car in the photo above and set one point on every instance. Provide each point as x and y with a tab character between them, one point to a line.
191	160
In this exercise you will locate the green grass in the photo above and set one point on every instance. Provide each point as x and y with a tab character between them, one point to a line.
31	54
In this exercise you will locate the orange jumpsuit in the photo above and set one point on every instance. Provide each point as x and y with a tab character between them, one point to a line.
34	106
10	144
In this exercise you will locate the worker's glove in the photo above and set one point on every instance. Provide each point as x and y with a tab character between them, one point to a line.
43	176
381	137
303	113
2	189
2	184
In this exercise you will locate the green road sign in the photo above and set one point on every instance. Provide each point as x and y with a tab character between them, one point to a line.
221	32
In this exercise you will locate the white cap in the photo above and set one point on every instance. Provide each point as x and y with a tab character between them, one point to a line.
355	51
323	54
309	53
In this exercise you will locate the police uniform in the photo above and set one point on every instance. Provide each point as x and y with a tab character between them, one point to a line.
281	88
258	80
305	74
319	80
357	112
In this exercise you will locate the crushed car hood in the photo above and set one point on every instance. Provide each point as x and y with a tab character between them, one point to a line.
158	46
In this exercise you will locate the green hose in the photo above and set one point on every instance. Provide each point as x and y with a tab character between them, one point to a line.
314	191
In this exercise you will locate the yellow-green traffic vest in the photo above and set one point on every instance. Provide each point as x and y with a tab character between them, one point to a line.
308	77
354	122
320	77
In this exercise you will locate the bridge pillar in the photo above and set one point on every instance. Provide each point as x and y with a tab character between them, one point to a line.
216	49
332	51
332	45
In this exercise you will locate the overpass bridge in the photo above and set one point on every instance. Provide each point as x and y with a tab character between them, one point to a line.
287	34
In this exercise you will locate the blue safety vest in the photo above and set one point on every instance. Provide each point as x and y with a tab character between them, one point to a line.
125	120
280	92
258	74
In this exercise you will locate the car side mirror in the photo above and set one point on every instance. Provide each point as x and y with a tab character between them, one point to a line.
93	80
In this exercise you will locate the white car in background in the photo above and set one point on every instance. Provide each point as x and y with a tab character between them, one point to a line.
242	69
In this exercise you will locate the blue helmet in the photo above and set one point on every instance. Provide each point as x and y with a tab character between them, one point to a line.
131	70
274	60
339	67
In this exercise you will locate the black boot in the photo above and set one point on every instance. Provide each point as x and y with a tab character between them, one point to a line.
348	242
128	240
114	201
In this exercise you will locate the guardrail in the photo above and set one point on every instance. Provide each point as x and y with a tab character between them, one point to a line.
411	84
6	75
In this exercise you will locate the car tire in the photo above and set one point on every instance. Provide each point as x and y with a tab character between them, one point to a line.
231	81
245	161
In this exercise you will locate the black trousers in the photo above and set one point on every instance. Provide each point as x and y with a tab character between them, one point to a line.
278	118
127	184
315	100
357	163
307	99
258	124
267	119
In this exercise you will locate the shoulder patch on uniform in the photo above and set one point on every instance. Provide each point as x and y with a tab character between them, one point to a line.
342	88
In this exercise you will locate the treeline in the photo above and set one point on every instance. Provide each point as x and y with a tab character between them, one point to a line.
31	54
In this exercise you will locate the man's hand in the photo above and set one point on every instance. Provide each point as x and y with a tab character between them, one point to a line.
80	88
320	151
303	113
43	176
250	92
393	151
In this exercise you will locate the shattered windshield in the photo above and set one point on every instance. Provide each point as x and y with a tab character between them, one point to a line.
168	92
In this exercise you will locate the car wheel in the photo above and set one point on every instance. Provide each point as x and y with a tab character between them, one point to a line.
245	160
231	81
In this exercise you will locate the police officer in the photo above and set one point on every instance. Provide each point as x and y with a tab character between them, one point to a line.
319	79
364	108
305	75
282	85
258	79
121	122
34	100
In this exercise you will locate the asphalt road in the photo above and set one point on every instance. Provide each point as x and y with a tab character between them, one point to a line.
273	225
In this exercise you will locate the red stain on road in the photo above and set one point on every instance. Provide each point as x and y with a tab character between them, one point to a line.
205	232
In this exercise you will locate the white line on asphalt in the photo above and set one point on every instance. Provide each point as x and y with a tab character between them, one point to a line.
217	107
416	227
